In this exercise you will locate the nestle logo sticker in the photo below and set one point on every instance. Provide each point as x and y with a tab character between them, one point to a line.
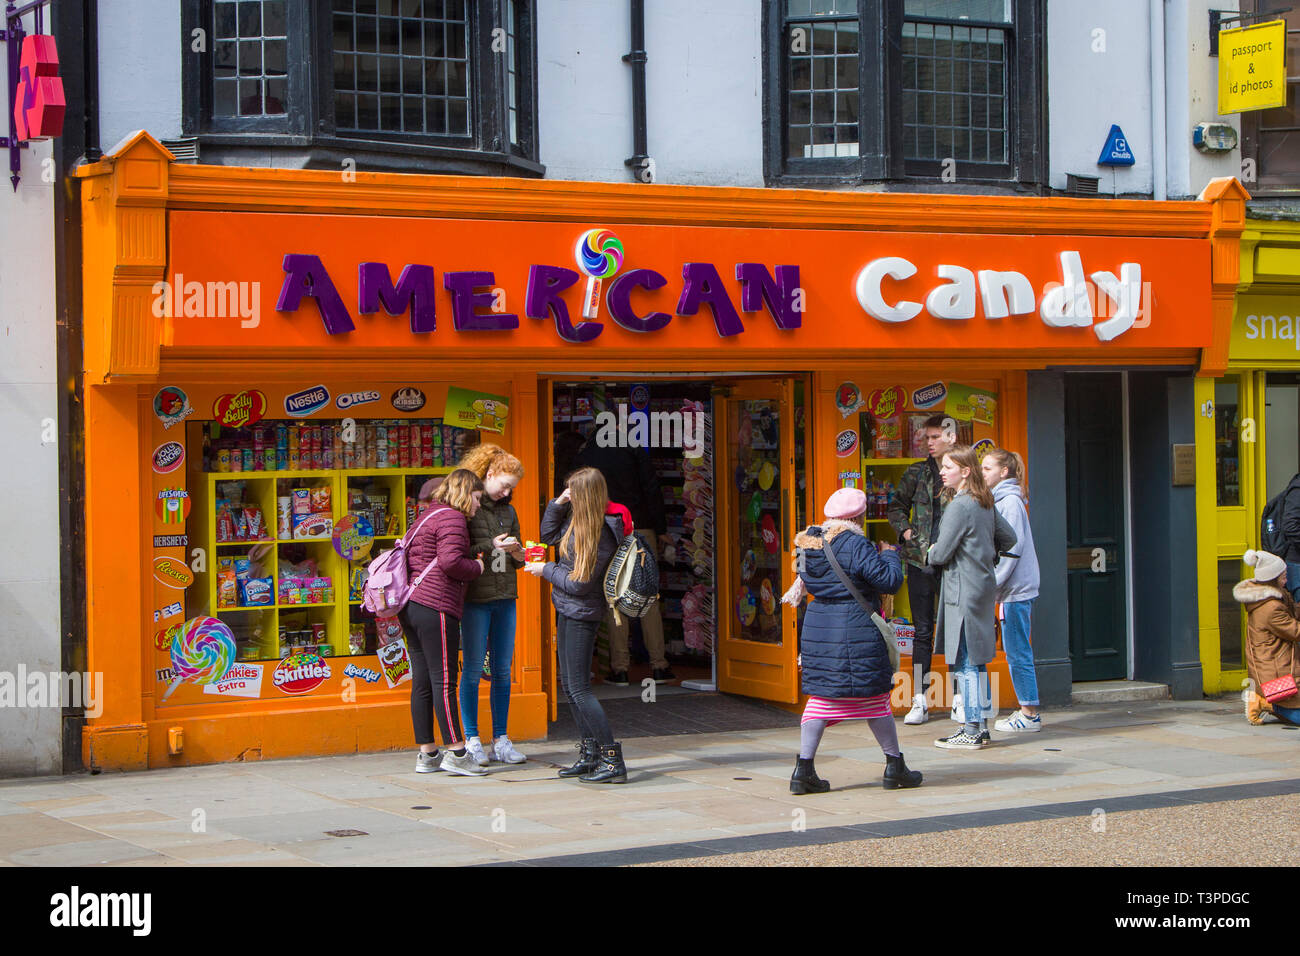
929	396
309	400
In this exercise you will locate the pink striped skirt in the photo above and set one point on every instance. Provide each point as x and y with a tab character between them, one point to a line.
835	709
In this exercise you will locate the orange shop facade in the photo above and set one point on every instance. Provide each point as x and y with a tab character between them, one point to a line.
276	360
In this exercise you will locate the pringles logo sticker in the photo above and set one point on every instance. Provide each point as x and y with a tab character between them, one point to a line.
846	443
172	572
168	456
348	399
929	396
300	673
173	505
408	399
887	402
238	410
306	402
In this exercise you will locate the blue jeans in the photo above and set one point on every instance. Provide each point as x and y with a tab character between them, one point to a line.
1020	655
972	684
487	628
1290	714
1293	579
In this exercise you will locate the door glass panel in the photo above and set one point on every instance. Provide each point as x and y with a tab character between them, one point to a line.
754	444
1227	419
1230	615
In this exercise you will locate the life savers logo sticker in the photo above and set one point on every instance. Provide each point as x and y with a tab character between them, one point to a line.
307	402
408	399
168	456
240	409
846	443
349	399
173	505
172	405
300	673
172	572
930	396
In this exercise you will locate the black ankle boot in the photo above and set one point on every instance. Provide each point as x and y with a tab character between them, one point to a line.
897	775
587	759
610	768
805	779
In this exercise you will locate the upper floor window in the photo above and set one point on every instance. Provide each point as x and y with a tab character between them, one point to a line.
1271	138
371	76
886	89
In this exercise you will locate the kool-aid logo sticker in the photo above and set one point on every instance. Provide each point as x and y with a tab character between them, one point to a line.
300	673
168	456
348	399
930	396
408	399
365	673
846	443
307	401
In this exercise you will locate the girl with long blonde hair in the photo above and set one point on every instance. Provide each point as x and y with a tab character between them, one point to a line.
586	534
487	627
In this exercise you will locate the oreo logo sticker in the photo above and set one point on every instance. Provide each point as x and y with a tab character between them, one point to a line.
348	399
929	396
408	399
846	443
168	456
307	402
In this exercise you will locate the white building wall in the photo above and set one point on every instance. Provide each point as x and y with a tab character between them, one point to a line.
30	737
1192	84
140	56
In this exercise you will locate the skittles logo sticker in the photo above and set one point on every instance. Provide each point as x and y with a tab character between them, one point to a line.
239	409
846	443
300	673
887	402
167	457
173	505
172	405
172	572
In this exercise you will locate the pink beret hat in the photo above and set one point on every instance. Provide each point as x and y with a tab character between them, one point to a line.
846	503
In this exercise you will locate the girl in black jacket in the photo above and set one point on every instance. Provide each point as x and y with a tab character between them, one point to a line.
586	539
846	665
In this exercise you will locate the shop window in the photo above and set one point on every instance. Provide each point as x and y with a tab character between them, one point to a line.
1227	444
1271	138
903	89
371	80
1230	615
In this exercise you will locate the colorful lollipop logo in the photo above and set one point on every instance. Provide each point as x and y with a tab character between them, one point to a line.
599	255
201	653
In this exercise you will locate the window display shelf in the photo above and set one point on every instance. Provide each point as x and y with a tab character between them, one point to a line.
880	462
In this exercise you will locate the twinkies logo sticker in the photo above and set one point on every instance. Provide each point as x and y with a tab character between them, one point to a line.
300	673
307	402
929	396
349	399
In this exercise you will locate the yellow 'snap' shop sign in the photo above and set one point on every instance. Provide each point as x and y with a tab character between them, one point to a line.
1252	67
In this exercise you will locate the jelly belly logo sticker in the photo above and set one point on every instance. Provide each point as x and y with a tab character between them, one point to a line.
173	505
307	402
930	396
168	456
240	409
846	443
300	673
848	399
172	572
172	405
408	399
242	680
162	640
395	662
887	402
349	399
364	673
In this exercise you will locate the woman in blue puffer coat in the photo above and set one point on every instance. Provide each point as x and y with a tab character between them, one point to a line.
847	671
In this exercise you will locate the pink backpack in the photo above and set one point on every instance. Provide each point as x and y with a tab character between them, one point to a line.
387	587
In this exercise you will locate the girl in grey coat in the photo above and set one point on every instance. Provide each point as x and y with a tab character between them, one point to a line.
971	533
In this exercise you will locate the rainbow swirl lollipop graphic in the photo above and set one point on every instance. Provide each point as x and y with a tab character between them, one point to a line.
599	255
202	653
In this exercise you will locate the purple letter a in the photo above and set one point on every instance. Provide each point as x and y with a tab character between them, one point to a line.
307	277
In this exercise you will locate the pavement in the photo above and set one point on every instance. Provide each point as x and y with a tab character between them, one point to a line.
1155	782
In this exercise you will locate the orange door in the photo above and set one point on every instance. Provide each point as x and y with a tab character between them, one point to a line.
550	682
757	643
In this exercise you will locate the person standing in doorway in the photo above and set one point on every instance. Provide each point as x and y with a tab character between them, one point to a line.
1017	578
487	628
1291	534
630	477
914	515
586	537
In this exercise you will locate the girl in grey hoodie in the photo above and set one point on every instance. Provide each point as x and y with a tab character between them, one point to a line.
1017	580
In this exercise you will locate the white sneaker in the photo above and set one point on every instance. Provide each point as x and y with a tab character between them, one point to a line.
474	747
466	766
918	714
956	708
1019	723
427	763
505	751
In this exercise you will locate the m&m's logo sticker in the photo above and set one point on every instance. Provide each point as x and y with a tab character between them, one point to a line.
239	409
168	456
172	572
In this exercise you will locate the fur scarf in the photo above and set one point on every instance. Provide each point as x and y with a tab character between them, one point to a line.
814	538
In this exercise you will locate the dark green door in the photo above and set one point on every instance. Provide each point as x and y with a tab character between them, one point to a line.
1094	468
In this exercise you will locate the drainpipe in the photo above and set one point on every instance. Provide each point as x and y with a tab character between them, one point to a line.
640	161
1159	170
